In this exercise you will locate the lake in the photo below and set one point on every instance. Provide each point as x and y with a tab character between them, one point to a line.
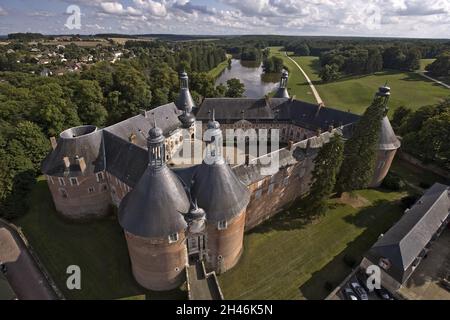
257	84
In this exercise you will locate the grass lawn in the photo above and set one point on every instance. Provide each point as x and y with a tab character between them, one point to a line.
99	248
286	258
425	62
217	71
355	93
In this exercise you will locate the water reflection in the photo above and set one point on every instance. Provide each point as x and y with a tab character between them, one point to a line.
251	74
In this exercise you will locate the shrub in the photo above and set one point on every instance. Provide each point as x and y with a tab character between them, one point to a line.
408	201
393	182
424	185
349	261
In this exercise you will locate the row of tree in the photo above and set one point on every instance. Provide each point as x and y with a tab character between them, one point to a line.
344	168
425	132
359	60
441	66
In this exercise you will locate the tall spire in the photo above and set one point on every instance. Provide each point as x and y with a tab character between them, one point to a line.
185	101
282	89
156	148
214	141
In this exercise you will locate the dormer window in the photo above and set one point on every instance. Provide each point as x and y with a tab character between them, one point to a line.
173	237
61	181
222	225
73	181
100	176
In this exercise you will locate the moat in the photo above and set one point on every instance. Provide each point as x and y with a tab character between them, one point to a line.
251	74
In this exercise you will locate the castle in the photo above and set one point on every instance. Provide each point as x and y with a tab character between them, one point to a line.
173	214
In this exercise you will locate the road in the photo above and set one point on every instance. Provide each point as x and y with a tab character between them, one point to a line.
23	273
433	79
313	89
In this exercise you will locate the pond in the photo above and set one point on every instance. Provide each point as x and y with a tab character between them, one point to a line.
257	84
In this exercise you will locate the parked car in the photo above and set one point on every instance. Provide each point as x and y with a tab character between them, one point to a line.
362	294
350	294
383	294
445	284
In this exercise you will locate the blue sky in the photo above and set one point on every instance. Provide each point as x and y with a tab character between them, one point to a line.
390	18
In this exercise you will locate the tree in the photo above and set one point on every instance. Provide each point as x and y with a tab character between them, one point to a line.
88	97
360	150
329	72
34	144
326	167
441	66
235	88
399	117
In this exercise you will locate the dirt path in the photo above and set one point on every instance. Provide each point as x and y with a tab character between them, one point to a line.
313	89
434	80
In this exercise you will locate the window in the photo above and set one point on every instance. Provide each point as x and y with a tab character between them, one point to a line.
73	181
222	225
271	186
104	187
173	237
61	181
50	179
286	181
100	177
258	194
91	190
381	164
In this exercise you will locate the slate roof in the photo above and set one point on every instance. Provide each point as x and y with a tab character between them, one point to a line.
167	118
404	242
156	206
306	114
231	108
219	191
84	141
388	140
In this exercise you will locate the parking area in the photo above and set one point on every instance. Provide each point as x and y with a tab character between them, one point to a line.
356	289
431	279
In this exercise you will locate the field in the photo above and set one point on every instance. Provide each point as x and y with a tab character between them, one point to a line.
425	62
99	248
286	258
354	93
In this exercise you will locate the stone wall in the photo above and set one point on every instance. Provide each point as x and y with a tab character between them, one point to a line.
272	194
80	197
156	263
225	246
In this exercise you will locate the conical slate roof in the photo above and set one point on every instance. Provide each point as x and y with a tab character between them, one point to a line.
155	207
388	140
83	142
281	93
219	192
185	101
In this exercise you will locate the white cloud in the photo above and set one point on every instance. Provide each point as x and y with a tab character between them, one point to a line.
154	8
3	12
118	8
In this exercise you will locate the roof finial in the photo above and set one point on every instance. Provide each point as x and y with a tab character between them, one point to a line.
214	115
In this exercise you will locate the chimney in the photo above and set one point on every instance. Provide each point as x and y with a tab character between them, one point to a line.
132	138
53	142
318	132
143	113
66	162
81	163
290	145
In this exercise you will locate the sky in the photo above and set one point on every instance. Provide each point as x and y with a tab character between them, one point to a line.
380	18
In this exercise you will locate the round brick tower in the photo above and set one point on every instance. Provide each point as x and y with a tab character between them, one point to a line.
388	143
224	198
75	171
152	218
